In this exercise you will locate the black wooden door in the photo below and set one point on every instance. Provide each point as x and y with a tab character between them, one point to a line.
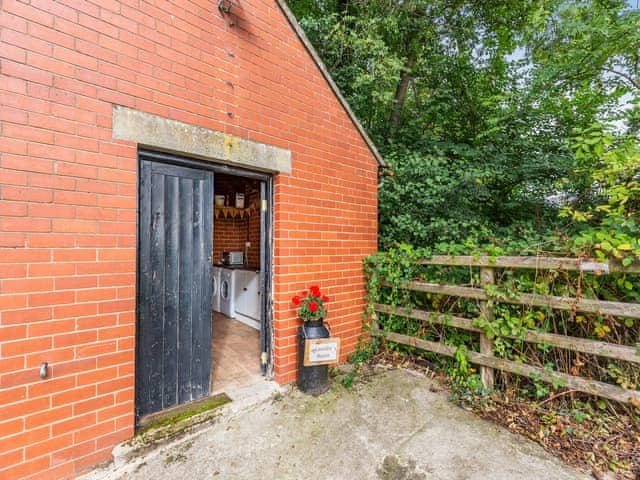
174	286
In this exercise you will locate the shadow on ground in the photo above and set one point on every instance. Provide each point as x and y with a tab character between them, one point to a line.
394	426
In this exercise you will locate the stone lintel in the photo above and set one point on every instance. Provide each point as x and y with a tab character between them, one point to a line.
178	137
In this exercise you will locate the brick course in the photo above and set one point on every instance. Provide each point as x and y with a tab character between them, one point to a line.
68	198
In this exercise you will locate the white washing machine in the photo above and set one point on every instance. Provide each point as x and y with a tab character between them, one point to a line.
217	278
227	289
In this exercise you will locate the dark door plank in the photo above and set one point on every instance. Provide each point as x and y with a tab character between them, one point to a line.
144	290
172	257
197	288
186	290
202	331
153	357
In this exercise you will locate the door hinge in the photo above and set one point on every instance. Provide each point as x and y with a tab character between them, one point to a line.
264	205
264	358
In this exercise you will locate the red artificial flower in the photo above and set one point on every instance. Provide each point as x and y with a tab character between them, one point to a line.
325	298
315	290
313	306
296	300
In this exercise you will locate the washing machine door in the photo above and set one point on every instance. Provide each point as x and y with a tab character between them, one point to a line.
225	289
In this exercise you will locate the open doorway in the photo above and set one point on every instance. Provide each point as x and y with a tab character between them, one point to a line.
237	268
204	280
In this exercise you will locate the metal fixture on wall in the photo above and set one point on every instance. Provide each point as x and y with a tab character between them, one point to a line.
43	370
225	6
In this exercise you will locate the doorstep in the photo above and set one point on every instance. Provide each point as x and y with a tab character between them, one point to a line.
163	431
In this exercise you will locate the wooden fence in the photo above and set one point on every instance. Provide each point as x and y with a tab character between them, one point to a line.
485	357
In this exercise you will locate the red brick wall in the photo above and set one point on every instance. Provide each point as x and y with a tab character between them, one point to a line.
229	234
68	198
253	259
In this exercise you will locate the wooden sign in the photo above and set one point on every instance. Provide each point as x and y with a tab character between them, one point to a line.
321	351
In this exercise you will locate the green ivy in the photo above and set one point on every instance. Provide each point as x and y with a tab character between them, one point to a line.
389	272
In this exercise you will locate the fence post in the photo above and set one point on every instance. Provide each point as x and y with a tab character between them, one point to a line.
486	345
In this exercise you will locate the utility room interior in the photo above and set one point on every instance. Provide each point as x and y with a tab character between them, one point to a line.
237	318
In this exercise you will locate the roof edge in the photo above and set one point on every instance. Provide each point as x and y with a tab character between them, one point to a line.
325	73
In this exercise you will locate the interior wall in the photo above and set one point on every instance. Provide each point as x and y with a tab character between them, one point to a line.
253	234
231	233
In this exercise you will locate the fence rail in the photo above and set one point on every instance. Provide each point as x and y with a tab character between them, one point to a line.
485	357
603	307
538	263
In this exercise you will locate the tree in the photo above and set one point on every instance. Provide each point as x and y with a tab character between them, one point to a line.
473	103
585	63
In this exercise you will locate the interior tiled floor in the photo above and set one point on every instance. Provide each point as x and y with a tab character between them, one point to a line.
236	355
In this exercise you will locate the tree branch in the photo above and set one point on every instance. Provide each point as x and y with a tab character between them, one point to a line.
628	78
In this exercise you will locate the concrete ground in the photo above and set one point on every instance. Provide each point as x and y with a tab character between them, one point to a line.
395	425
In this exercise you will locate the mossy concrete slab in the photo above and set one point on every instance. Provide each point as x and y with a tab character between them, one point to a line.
396	425
170	426
179	427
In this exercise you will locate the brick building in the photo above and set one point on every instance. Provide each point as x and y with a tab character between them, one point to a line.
119	120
